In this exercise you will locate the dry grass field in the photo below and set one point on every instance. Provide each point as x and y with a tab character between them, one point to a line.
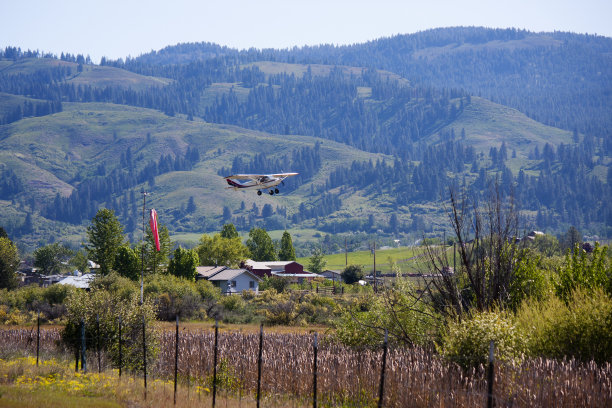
345	377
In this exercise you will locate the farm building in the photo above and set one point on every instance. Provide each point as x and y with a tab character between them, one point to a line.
335	276
269	268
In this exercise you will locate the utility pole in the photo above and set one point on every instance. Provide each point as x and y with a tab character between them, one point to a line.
142	248
345	252
374	274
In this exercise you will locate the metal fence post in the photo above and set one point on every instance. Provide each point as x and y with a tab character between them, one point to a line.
176	340
144	354
120	348
259	361
382	371
37	337
214	399
98	342
314	379
83	358
490	375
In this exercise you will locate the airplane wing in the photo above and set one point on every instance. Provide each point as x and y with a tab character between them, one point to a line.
253	177
282	175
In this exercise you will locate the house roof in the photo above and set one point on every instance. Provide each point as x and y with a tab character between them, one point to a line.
272	265
208	271
229	274
304	274
81	282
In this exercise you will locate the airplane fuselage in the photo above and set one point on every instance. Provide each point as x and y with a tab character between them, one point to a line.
258	182
261	184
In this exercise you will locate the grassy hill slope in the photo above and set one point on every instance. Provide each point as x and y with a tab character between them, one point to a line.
93	75
53	154
488	124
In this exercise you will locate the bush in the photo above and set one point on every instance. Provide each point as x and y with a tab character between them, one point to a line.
531	280
582	328
294	309
116	284
466	342
408	322
109	308
173	296
587	271
26	301
274	282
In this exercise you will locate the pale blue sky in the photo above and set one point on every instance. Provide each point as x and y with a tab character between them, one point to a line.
115	29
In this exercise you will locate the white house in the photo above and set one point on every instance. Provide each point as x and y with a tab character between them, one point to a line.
235	280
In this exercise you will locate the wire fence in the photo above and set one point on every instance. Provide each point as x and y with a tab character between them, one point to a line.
301	370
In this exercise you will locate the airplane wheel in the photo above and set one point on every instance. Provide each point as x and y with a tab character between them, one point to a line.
271	192
258	192
276	190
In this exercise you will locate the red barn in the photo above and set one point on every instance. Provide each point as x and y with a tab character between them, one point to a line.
279	268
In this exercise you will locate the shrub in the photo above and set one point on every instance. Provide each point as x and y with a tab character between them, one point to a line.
26	301
408	322
582	270
173	296
274	282
109	308
466	342
292	309
582	328
116	284
531	280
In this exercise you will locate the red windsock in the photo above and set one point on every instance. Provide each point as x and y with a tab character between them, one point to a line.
153	224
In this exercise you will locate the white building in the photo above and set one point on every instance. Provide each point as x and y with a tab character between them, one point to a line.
235	280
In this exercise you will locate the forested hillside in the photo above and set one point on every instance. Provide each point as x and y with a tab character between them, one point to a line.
378	132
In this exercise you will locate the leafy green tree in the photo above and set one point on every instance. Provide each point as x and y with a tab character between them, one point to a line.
260	245
219	250
352	274
155	261
50	257
105	237
9	262
229	231
287	252
183	264
127	263
79	260
317	261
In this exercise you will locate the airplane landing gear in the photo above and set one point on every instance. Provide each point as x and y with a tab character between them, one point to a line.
258	192
271	192
276	191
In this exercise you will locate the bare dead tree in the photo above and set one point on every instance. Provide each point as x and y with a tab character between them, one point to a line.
487	248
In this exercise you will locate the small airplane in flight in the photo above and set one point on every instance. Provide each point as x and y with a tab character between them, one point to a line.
258	181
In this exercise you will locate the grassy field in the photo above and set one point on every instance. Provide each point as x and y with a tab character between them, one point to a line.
403	256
